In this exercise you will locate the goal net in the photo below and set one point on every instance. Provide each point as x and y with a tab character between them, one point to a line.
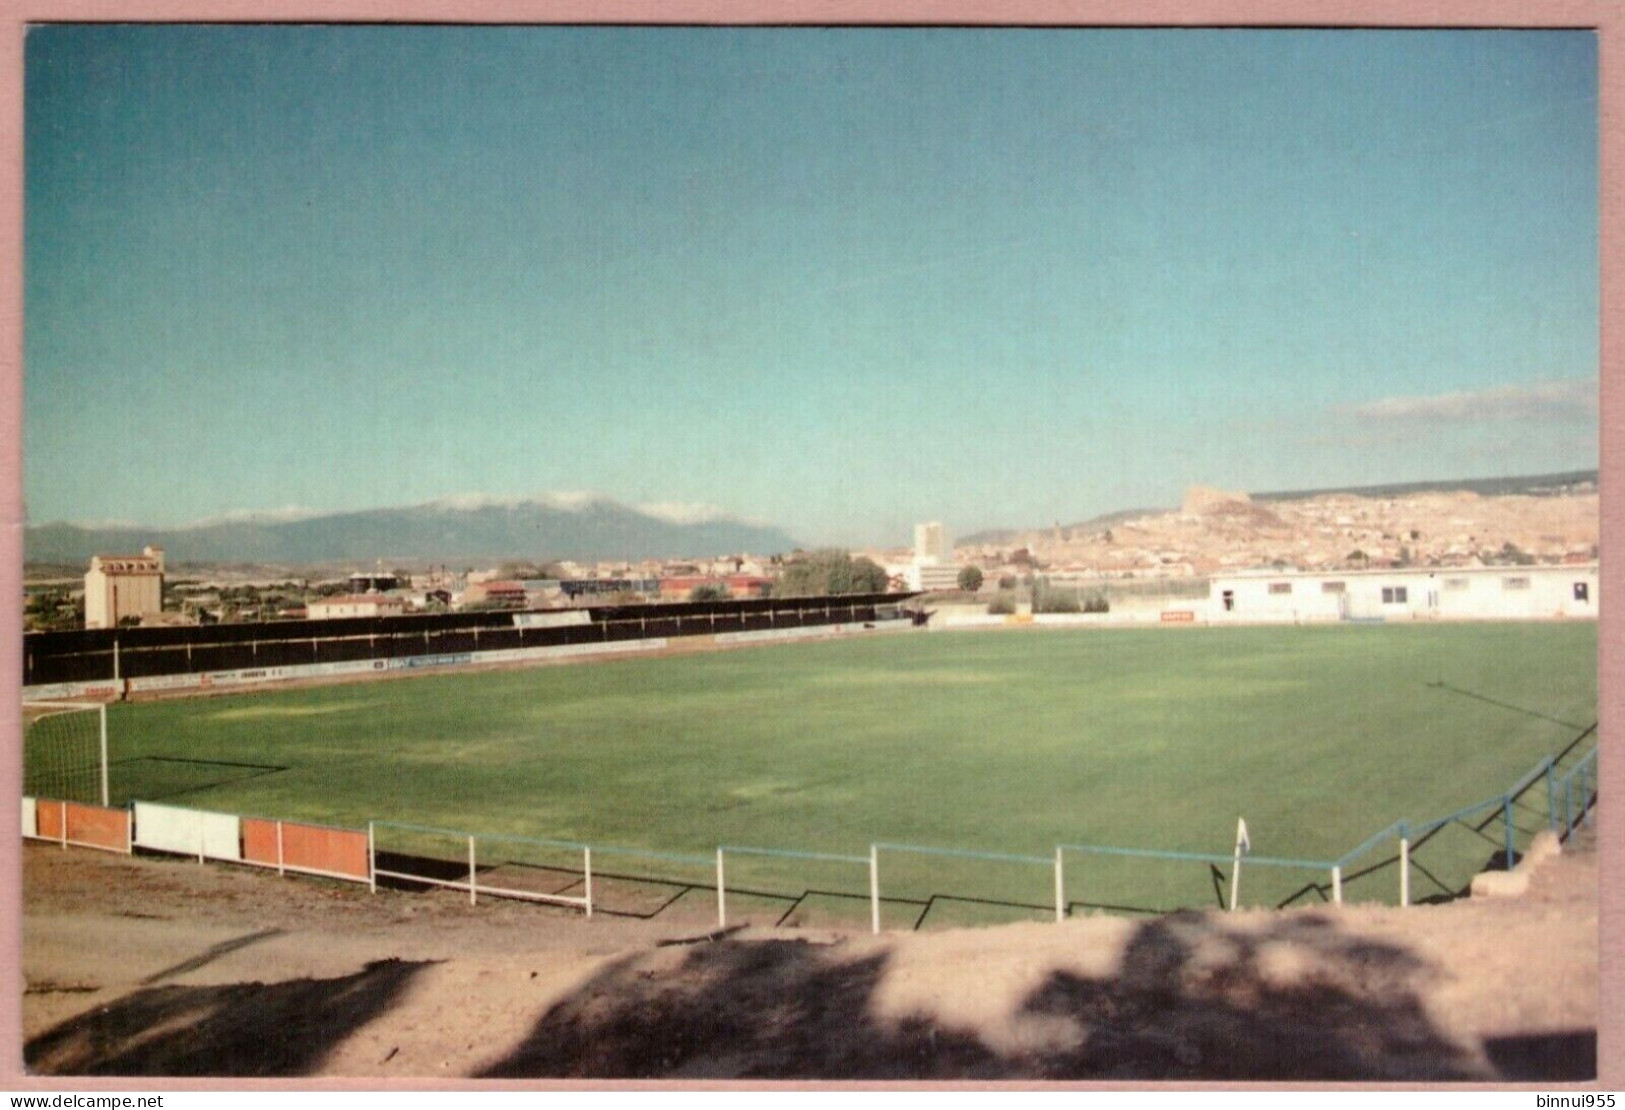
65	752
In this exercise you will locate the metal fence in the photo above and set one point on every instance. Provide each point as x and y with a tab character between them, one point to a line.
1578	788
644	882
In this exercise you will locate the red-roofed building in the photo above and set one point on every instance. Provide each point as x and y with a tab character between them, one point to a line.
499	592
739	586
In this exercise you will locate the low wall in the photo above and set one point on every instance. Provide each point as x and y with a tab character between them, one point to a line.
1186	615
84	826
809	631
311	849
214	680
187	832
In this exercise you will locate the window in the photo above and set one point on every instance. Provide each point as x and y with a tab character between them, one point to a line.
1333	587
1455	583
1514	583
1582	592
1280	587
1394	595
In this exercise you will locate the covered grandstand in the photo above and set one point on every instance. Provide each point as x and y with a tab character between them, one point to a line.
290	649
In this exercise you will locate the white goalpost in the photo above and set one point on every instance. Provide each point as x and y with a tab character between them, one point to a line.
65	751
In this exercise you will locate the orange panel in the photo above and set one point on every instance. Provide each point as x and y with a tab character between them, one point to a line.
340	851
48	819
105	828
259	841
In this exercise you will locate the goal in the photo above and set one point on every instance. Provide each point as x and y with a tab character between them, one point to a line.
65	752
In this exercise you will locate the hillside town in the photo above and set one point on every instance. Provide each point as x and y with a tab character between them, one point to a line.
1215	531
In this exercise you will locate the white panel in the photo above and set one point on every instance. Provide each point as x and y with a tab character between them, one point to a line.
559	619
172	829
106	688
165	681
30	822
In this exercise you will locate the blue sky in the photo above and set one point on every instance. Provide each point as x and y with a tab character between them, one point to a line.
839	280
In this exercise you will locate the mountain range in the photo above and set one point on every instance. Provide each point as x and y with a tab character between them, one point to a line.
579	528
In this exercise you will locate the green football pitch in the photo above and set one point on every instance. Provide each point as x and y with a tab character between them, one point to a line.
997	742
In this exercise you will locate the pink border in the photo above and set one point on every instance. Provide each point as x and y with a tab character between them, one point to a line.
1608	18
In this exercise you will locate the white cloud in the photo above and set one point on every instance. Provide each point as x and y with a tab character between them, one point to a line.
678	512
569	500
573	500
672	512
98	525
1571	400
258	516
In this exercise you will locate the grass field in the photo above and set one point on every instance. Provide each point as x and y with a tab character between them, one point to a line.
1000	742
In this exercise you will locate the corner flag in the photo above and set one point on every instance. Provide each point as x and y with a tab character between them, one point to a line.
1243	846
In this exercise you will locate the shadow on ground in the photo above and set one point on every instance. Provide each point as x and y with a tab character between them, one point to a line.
1192	998
1189	996
235	1029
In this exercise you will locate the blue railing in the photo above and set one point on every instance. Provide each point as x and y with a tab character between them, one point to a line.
1570	803
1569	798
1578	787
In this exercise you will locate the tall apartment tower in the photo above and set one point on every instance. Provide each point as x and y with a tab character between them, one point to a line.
932	546
933	567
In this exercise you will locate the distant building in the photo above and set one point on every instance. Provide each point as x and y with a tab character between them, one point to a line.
355	605
168	620
739	586
932	544
373	583
577	589
930	577
498	592
120	586
933	567
1413	593
745	586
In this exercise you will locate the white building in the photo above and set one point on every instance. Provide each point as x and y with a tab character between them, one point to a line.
1412	593
932	545
120	586
930	577
356	605
933	567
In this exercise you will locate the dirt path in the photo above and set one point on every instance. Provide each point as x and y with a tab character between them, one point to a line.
163	966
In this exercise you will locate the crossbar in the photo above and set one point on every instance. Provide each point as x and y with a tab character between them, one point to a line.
1529	777
462	834
1581	766
1422	828
787	853
1370	843
503	892
1194	857
649	853
995	857
293	869
284	820
67	842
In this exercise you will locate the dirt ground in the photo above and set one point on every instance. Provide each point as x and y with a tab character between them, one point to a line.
153	966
